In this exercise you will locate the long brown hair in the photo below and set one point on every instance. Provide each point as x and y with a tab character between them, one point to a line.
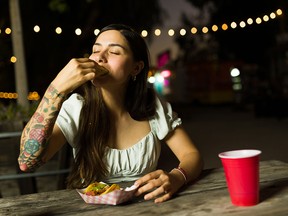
94	123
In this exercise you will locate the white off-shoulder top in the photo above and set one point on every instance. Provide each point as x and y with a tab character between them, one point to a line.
131	163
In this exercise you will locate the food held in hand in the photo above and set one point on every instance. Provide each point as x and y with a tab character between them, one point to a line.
101	71
100	188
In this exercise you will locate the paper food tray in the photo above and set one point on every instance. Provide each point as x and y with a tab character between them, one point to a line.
113	198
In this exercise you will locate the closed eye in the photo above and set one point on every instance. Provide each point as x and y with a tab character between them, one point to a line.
114	53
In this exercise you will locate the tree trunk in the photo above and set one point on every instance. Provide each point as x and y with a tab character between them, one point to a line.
18	49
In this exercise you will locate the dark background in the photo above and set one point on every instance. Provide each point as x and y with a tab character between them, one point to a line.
259	50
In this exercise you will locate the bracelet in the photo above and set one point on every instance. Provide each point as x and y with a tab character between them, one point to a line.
182	171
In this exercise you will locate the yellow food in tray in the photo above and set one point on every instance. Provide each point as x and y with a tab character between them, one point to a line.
100	188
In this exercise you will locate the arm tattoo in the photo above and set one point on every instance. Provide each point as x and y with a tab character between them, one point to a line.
35	136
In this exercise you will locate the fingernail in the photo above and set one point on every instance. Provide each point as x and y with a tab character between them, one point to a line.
146	197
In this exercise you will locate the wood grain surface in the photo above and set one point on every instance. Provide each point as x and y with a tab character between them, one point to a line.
207	196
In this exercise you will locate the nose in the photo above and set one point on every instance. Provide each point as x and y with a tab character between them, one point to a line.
98	57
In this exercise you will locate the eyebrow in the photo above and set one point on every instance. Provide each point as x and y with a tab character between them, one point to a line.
112	45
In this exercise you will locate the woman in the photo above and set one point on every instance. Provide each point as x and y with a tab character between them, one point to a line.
113	121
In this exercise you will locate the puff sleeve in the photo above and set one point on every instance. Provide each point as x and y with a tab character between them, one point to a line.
68	118
165	119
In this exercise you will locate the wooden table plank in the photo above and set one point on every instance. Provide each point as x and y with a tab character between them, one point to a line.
209	196
215	178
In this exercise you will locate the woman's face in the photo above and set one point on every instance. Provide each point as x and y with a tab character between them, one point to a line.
112	51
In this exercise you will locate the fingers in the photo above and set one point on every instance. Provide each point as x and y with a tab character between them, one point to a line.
87	74
165	197
83	63
147	182
80	71
74	74
83	59
161	194
148	177
89	66
157	185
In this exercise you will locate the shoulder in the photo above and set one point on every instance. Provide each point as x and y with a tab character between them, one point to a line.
164	108
75	97
161	103
69	115
165	119
73	102
71	107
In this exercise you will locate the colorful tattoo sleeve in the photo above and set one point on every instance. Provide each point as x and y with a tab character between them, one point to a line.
36	134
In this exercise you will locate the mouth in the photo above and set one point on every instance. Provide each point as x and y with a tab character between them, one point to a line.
101	71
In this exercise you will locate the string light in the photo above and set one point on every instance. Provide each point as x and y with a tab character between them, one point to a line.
8	31
214	28
8	95
250	21
233	25
96	32
58	30
258	20
13	95
205	30
279	12
242	24
224	27
266	18
182	32
157	32
272	15
36	28
144	33
194	30
33	96
171	32
13	59
78	31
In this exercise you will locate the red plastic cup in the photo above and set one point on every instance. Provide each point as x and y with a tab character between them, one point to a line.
241	169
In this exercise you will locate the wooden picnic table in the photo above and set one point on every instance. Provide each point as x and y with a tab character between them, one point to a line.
208	196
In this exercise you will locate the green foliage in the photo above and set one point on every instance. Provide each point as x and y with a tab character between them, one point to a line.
58	5
14	111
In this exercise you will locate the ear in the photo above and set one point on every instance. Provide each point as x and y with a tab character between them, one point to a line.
137	68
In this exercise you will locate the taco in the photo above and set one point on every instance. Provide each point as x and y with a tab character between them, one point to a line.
100	188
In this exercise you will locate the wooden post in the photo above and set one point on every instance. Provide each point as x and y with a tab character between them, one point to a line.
18	50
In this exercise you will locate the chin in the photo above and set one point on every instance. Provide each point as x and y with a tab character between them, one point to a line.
99	82
95	83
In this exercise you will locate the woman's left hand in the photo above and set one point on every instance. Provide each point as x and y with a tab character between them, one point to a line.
159	184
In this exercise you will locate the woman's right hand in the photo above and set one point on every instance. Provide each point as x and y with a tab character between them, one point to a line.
74	74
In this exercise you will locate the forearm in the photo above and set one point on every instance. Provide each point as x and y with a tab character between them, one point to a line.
190	167
36	134
192	164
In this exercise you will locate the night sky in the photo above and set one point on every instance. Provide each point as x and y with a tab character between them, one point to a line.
47	52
